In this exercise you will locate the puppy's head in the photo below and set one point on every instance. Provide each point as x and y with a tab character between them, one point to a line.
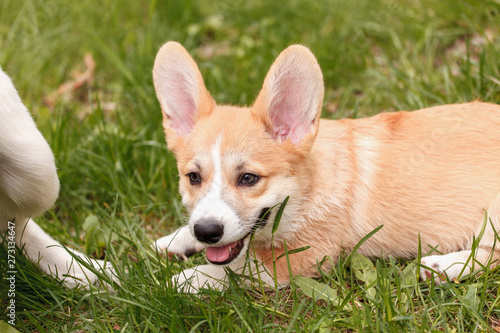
236	164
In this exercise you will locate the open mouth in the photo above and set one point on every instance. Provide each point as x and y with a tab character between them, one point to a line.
223	255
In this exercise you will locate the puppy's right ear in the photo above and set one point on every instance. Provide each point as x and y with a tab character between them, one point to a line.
180	89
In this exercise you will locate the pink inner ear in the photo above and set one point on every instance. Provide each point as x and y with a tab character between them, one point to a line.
180	101
289	109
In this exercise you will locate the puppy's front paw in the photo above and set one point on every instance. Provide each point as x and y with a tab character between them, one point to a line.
441	267
180	242
205	276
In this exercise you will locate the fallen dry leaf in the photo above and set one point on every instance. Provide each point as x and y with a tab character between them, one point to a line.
78	81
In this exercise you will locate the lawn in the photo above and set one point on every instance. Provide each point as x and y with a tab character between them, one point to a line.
83	68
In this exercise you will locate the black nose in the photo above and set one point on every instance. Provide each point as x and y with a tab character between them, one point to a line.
208	232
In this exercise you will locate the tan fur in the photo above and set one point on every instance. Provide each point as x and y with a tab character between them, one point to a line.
431	173
434	175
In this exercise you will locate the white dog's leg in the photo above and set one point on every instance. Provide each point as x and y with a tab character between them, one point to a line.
457	264
180	242
28	178
53	259
28	186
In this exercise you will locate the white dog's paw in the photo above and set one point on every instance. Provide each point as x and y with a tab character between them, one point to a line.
78	274
180	242
204	276
441	267
108	270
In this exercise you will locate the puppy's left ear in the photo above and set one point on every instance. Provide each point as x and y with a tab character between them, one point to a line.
290	101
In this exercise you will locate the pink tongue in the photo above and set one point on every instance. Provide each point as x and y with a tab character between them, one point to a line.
219	253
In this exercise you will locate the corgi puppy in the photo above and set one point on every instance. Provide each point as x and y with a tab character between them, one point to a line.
429	175
28	187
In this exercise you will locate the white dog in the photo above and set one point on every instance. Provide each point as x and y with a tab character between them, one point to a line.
28	187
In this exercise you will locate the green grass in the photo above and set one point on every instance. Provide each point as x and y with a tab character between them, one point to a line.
113	163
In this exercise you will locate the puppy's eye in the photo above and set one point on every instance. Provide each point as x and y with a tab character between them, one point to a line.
194	178
248	179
